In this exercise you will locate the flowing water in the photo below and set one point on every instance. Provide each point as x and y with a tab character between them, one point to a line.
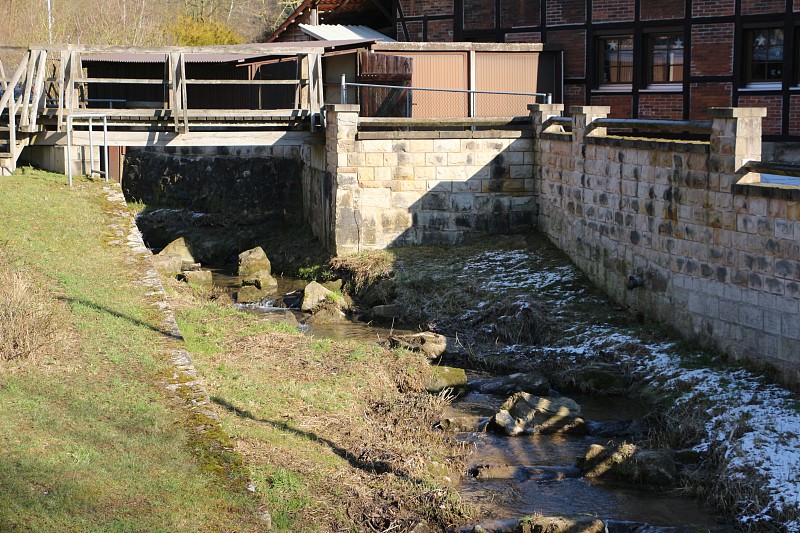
511	477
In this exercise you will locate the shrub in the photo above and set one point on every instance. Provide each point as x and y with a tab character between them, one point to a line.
188	31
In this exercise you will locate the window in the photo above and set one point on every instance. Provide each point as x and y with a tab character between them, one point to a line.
665	56
764	55
616	60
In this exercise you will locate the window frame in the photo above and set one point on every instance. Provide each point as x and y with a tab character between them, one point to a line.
649	59
766	83
600	43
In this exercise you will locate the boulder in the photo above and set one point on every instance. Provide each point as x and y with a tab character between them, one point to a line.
388	311
313	295
627	462
253	261
380	292
598	378
262	280
446	377
198	278
335	285
432	345
249	294
532	383
168	265
326	313
291	300
560	524
289	318
526	413
463	424
180	248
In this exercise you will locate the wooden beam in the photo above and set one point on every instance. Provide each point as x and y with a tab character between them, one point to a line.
184	98
26	93
284	49
39	99
192	138
62	79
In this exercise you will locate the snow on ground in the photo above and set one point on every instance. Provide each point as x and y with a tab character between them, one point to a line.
753	424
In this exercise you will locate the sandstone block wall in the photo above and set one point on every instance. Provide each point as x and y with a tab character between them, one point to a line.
400	188
716	257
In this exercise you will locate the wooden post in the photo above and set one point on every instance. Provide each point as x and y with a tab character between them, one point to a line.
184	99
304	88
62	87
26	94
39	84
3	84
175	90
69	83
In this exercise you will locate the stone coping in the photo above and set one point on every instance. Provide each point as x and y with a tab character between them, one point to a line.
557	136
407	135
767	190
701	147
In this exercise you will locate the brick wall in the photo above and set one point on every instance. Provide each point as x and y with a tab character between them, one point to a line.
712	50
661	106
440	30
566	12
662	9
720	262
573	43
515	13
754	7
712	8
479	14
417	8
794	115
621	104
524	37
612	10
774	104
708	95
574	95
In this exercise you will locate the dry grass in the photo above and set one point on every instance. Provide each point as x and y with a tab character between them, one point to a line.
365	268
338	436
29	322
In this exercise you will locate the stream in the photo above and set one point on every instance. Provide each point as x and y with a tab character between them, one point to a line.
507	477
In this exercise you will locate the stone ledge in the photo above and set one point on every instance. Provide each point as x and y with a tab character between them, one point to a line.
701	147
767	190
553	136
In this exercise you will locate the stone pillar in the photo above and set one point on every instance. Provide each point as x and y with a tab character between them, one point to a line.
540	113
340	141
582	117
735	140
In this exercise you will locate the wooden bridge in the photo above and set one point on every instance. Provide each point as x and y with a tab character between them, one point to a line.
242	94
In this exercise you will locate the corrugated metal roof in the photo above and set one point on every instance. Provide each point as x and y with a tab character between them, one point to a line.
337	8
230	57
338	31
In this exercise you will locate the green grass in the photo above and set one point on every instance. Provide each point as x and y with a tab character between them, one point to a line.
90	439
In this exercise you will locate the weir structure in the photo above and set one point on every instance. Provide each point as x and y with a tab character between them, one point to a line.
682	230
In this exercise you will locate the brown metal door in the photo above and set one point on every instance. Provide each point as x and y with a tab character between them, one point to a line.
505	72
439	70
383	69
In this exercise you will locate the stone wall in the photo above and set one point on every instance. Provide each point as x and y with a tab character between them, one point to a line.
425	187
679	231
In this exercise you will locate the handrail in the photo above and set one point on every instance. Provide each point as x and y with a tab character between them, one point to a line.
13	83
670	126
70	124
780	169
444	122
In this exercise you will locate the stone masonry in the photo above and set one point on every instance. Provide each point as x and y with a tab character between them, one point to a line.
399	188
713	254
677	231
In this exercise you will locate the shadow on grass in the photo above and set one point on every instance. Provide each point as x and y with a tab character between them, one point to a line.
102	309
373	467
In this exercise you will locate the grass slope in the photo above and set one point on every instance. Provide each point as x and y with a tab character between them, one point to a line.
89	439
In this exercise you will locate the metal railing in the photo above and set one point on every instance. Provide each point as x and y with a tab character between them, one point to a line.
399	101
70	126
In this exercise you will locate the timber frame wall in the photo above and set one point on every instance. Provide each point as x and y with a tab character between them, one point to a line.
714	33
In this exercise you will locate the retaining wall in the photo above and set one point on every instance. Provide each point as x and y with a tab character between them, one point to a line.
714	253
424	187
